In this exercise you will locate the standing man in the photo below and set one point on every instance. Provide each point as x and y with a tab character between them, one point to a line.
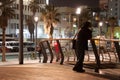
81	45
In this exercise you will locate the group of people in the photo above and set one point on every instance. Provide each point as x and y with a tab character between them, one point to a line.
84	34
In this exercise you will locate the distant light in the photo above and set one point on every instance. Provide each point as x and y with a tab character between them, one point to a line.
0	3
94	13
101	72
74	19
36	19
0	9
78	11
117	35
100	23
74	25
47	2
96	18
111	9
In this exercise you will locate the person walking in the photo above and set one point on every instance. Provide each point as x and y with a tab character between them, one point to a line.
81	45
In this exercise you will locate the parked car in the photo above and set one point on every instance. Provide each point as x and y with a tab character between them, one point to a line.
13	46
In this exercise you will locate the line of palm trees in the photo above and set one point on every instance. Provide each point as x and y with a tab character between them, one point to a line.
49	16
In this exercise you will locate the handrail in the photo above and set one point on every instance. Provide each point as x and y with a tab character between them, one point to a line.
71	39
116	44
94	46
106	39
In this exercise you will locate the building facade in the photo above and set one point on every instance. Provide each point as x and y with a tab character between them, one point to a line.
114	9
13	23
66	28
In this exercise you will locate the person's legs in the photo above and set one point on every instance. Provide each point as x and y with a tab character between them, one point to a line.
79	64
76	54
39	55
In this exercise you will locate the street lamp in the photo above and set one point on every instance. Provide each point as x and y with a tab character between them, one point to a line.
78	11
47	2
100	26
36	22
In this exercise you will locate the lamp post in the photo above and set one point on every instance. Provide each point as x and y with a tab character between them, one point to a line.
78	11
36	22
100	26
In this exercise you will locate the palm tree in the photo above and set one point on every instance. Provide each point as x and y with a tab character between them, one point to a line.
31	26
112	22
34	6
50	17
7	12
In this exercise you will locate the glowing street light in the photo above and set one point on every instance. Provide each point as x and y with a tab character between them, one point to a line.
100	23
36	19
47	2
78	11
100	26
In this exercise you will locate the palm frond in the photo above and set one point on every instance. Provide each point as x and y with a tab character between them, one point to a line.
50	16
6	3
7	12
34	6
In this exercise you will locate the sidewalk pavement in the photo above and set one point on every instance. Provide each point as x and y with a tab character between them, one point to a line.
33	70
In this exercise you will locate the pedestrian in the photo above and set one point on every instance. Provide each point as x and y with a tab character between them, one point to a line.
57	51
83	36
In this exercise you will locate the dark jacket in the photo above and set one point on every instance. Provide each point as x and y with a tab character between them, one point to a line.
82	38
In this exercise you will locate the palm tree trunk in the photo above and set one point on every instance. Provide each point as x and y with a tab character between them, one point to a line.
3	46
30	37
34	25
112	37
51	33
33	37
112	33
21	55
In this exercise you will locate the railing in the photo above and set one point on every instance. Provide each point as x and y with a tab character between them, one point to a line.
109	45
63	49
50	48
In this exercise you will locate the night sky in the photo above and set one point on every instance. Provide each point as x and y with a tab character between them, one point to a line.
75	3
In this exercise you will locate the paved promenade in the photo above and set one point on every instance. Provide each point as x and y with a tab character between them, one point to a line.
33	70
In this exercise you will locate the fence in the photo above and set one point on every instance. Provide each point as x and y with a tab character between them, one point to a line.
100	49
